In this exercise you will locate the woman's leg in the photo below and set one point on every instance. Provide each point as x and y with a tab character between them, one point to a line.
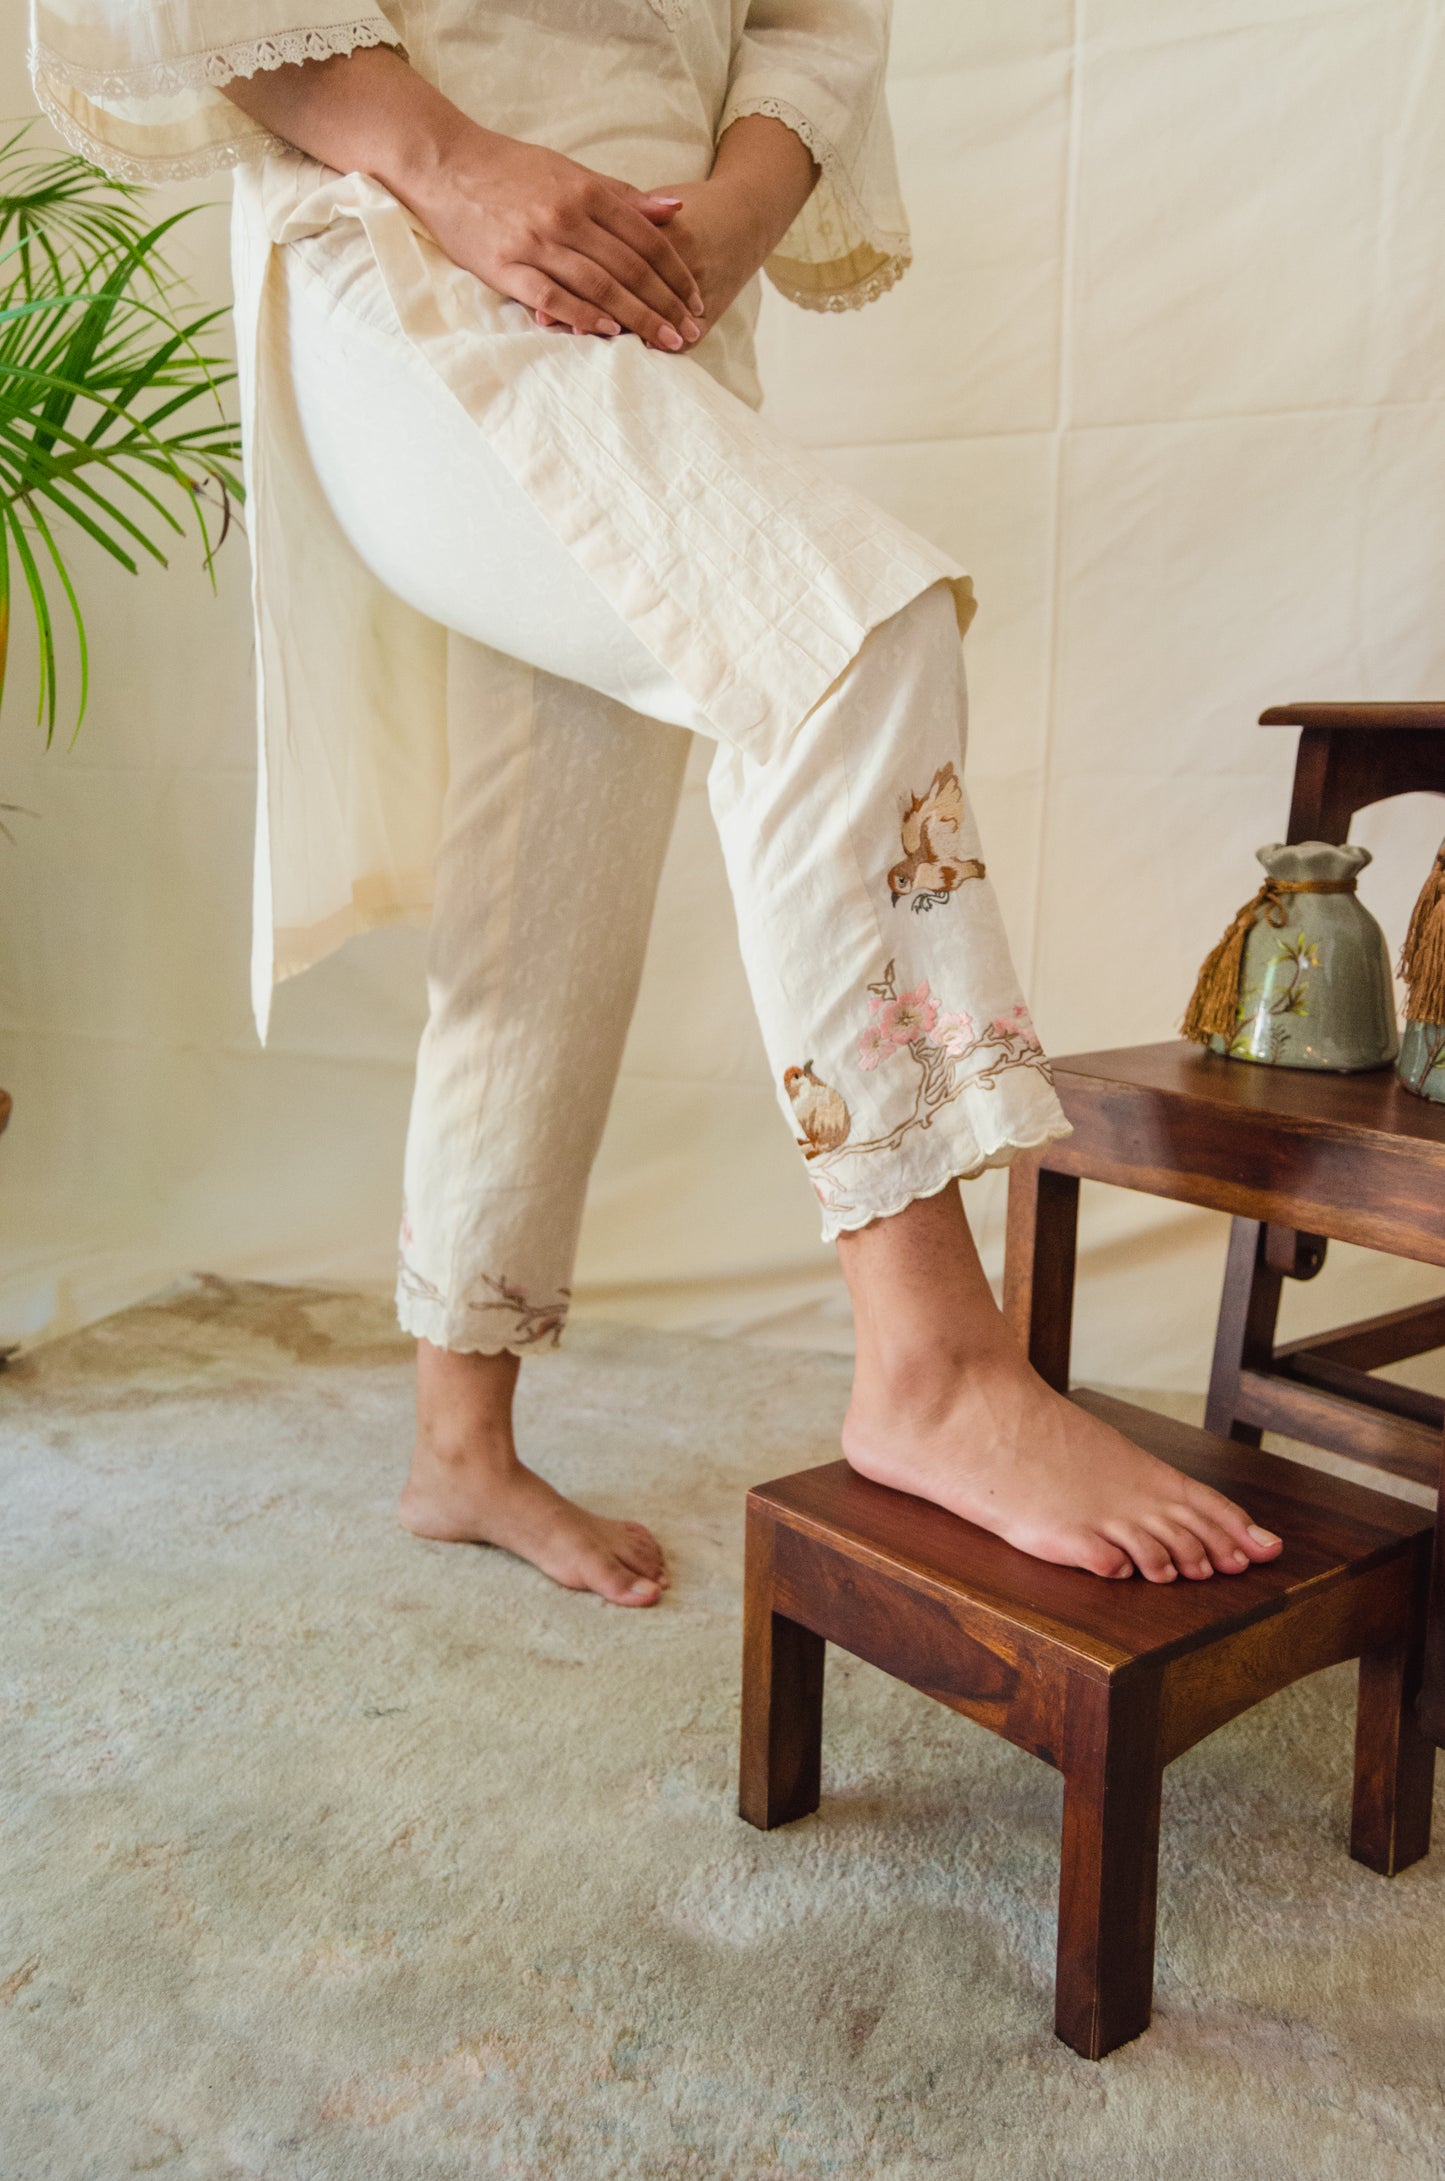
559	808
560	801
904	1054
905	1059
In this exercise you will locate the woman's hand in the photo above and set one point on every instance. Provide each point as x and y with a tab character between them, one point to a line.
590	252
726	227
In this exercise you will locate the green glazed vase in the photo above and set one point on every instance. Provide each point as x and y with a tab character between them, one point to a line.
1315	989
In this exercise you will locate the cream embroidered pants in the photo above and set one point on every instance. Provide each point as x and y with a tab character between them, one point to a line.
902	1051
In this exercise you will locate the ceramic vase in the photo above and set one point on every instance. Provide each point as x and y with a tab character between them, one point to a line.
1315	989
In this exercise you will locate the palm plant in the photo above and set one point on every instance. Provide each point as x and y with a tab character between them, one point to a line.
112	422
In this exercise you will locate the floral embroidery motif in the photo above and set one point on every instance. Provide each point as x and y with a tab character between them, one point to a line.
818	1109
952	1055
932	869
536	1325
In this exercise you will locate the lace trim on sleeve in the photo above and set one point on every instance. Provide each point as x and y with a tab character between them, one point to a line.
857	262
50	72
211	71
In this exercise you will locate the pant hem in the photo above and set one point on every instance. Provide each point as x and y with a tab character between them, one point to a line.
858	1216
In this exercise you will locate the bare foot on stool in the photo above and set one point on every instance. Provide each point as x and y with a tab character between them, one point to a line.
467	1486
945	1406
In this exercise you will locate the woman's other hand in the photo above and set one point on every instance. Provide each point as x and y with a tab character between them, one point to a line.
726	227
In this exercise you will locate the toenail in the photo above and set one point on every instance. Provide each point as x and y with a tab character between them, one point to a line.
637	1590
1264	1537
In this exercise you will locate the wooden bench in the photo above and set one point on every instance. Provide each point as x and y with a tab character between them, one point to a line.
1107	1681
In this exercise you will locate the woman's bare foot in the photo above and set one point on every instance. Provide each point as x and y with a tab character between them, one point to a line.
467	1486
944	1405
990	1441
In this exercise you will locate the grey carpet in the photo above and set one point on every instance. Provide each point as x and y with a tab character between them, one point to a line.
335	1856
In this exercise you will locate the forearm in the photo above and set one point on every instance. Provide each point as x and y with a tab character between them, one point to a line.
768	173
572	244
367	112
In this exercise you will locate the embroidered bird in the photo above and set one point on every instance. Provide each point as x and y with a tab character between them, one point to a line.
818	1109
932	868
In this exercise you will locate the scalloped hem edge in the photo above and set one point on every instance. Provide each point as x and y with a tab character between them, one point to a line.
1003	1154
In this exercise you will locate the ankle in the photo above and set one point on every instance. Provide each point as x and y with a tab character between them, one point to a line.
466	1446
923	1379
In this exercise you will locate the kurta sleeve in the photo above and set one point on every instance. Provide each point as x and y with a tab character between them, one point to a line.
135	85
818	66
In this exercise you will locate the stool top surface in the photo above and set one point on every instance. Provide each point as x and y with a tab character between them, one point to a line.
1408	713
1372	1103
1330	1527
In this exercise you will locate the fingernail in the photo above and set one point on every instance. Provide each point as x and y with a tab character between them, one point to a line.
1264	1537
691	332
609	326
675	202
669	337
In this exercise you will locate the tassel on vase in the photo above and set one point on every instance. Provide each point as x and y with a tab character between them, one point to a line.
1421	1066
1213	1010
1422	957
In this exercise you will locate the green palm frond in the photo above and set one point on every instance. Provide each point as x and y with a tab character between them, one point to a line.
112	421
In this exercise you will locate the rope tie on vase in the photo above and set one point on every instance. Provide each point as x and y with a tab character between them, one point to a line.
1422	957
1214	1009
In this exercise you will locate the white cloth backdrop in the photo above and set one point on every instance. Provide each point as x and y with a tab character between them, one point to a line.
1168	375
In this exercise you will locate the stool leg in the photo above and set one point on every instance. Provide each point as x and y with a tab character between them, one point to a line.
1394	1760
1244	1335
1039	1262
782	1722
1109	1867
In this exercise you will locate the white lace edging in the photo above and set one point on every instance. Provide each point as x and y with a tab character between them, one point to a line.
893	248
213	70
163	167
1002	1154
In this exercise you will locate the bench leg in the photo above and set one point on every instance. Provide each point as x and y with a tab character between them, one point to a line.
1109	1867
1394	1760
782	1722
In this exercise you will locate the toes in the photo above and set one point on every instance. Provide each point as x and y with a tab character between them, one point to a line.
1102	1558
1215	1540
1149	1556
641	1551
1188	1548
1250	1538
622	1585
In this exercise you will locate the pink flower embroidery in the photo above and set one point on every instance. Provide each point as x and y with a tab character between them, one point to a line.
1018	1023
912	1015
873	1046
955	1033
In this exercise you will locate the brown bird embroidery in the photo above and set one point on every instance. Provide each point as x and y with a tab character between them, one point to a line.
818	1109
932	868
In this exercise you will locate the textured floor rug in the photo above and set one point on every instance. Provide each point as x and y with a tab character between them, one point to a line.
331	1855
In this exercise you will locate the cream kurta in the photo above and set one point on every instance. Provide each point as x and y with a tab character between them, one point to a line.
753	598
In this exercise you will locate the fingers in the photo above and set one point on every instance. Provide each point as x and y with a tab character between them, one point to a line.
634	276
553	304
649	239
612	298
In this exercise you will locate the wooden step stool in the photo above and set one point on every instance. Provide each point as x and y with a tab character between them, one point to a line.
1108	1681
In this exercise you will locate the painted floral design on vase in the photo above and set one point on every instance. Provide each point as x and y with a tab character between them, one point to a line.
1315	988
